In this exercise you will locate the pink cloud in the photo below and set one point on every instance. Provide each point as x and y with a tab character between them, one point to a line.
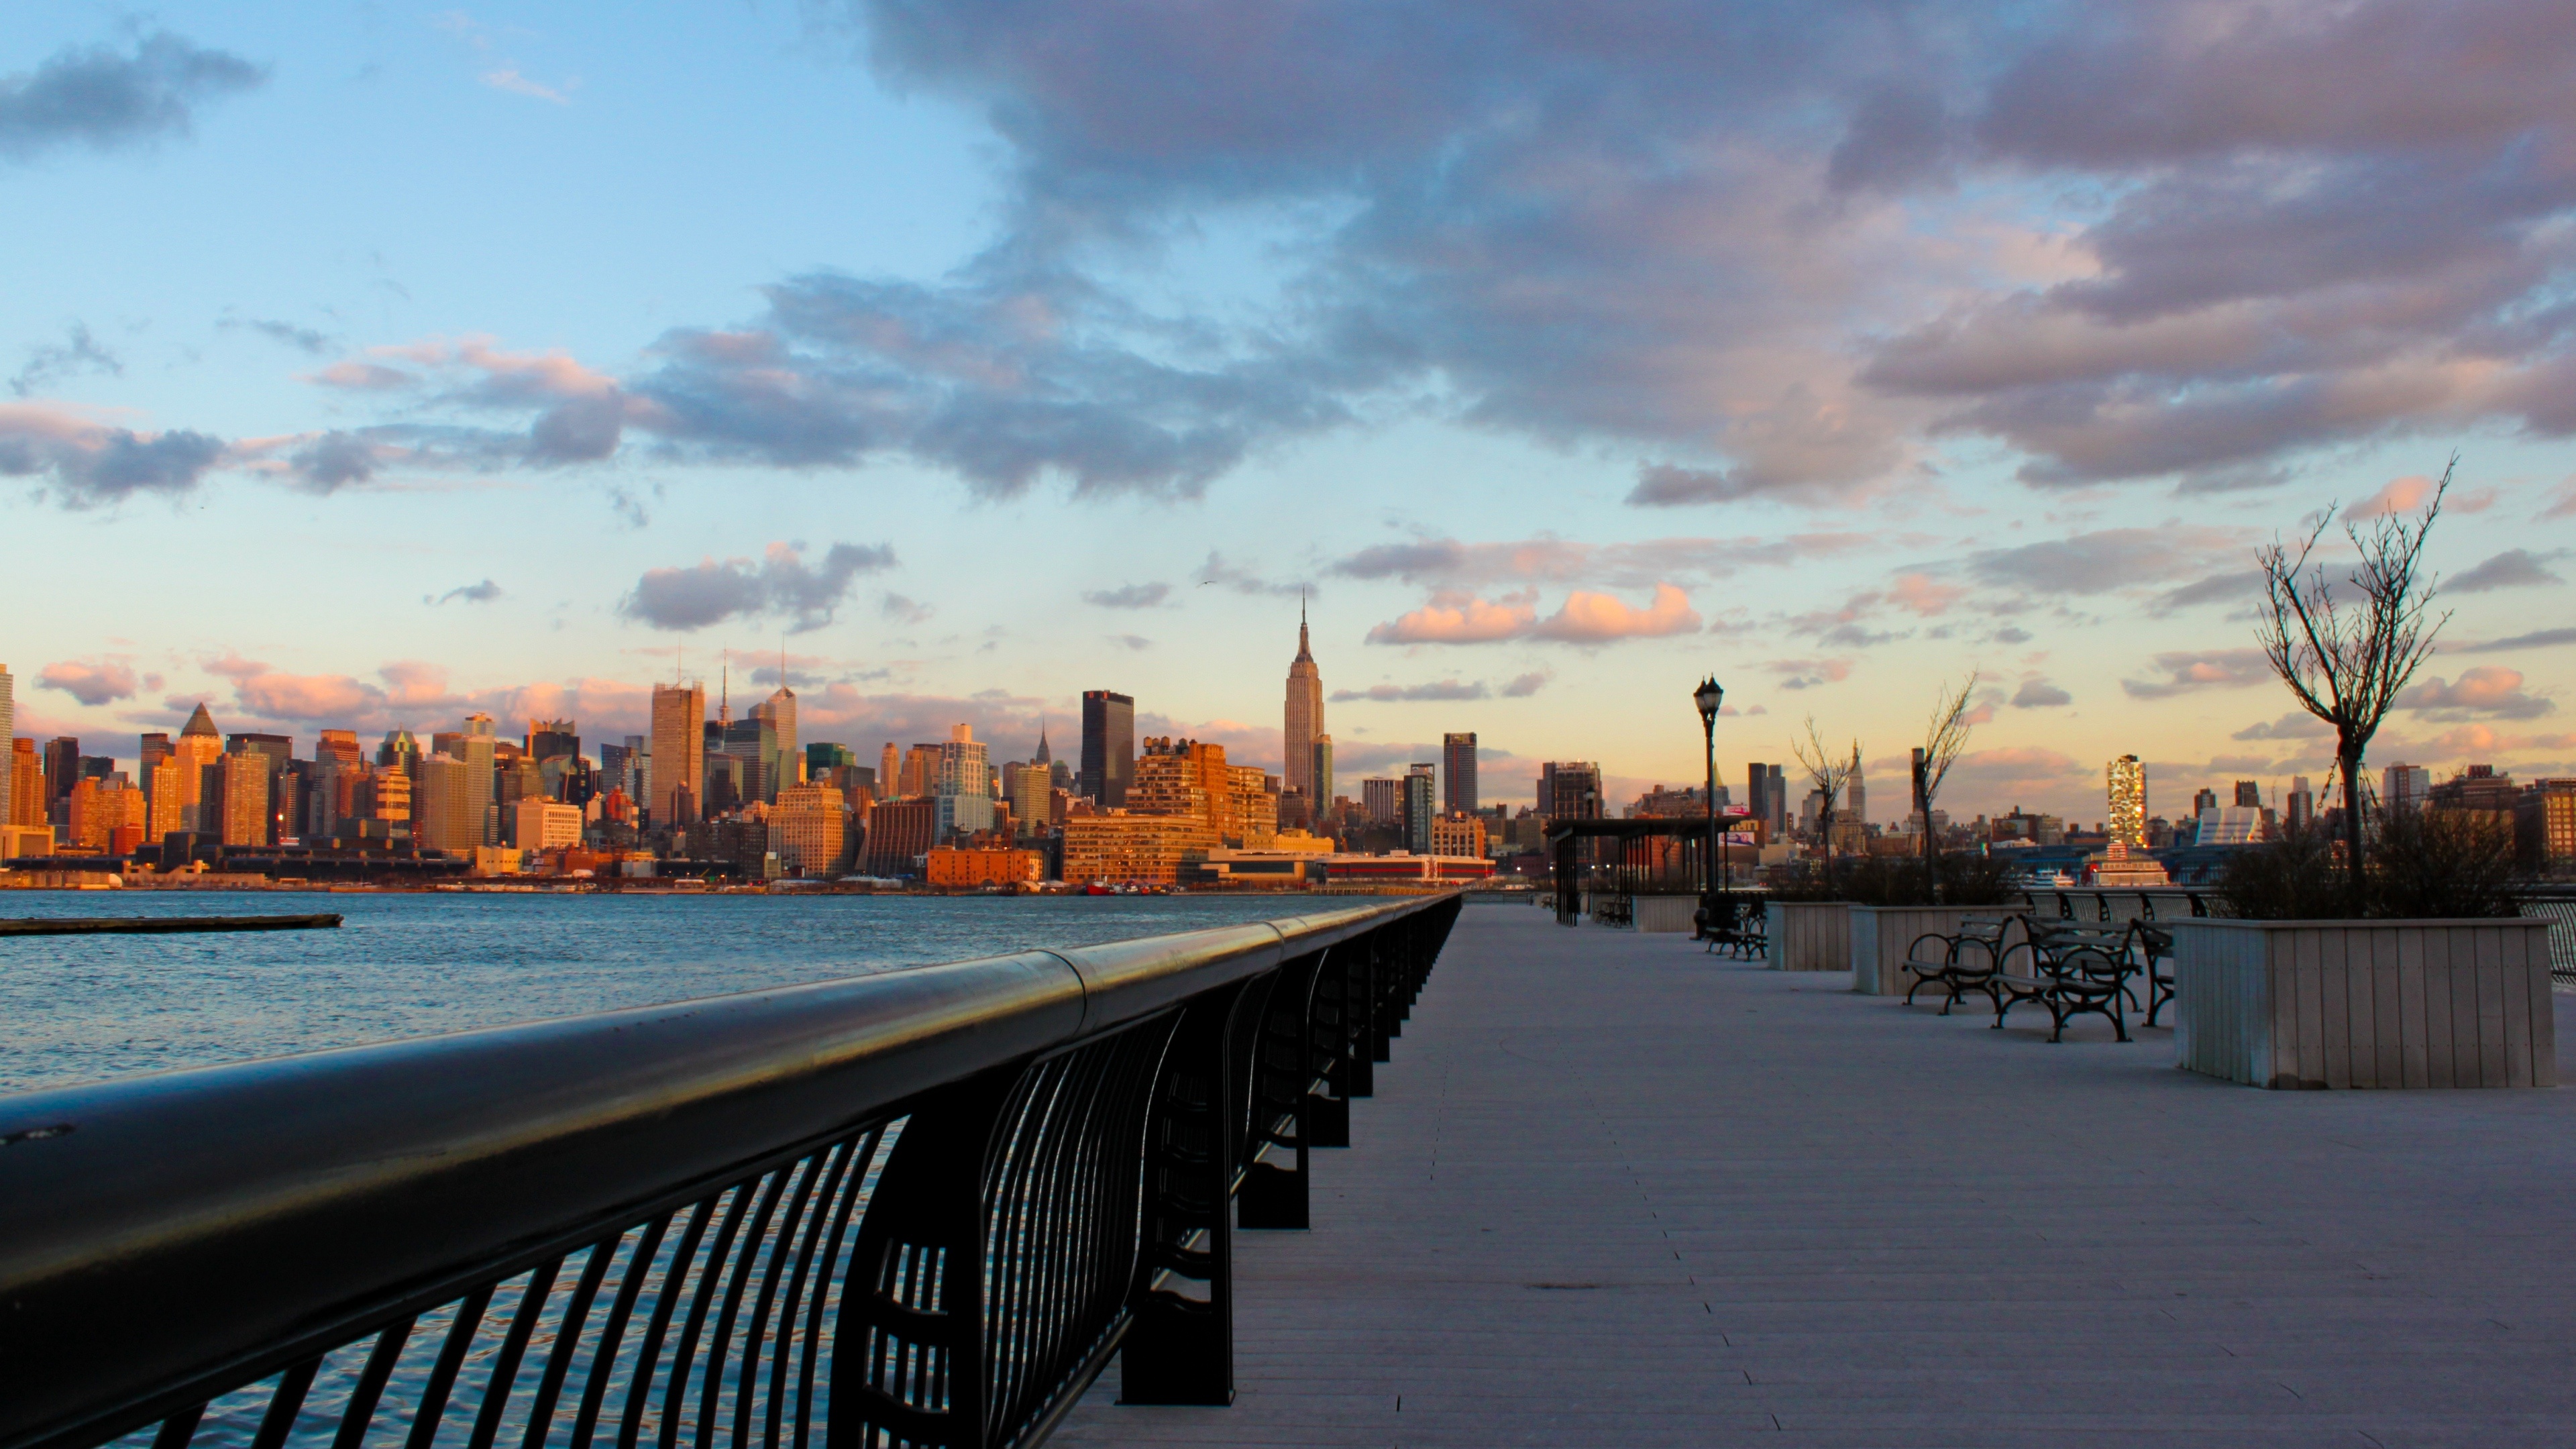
314	697
1454	618
354	376
2402	495
1808	673
1922	595
92	681
1590	618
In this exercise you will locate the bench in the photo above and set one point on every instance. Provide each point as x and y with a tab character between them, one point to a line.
1616	911
1738	924
2156	946
1965	962
2071	970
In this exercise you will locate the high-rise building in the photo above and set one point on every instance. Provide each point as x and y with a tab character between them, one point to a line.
2299	809
1382	800
1855	804
1319	788
447	809
26	783
810	829
2249	795
62	767
753	742
1570	790
920	777
1458	772
1305	714
479	743
8	726
548	738
1108	747
889	772
964	785
821	755
1027	787
340	747
679	753
2204	800
242	798
537	823
785	764
2405	787
2127	777
1419	811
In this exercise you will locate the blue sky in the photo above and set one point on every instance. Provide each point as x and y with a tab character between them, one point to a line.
373	365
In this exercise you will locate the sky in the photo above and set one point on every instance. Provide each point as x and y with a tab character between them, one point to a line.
365	366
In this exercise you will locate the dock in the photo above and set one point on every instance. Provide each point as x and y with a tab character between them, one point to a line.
1612	1190
158	925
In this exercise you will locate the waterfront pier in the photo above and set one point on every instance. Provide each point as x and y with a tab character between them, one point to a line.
1617	1191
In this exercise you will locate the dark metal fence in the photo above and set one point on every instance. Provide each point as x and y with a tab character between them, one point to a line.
920	1208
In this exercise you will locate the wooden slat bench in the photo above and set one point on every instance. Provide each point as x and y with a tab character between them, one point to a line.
1736	924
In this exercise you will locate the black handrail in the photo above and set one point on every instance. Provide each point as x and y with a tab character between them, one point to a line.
923	1206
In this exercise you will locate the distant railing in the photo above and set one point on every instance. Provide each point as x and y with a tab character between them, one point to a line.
918	1208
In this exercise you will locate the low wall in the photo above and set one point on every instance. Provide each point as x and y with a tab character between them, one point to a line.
1880	936
1665	913
2319	1004
1809	935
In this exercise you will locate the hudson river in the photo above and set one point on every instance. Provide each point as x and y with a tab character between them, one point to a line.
84	1008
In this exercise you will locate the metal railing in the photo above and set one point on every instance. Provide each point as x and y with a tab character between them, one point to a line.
919	1208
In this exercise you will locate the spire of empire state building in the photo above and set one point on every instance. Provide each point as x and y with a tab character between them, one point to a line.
1305	714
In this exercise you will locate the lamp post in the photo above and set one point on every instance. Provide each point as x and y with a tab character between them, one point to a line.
1708	697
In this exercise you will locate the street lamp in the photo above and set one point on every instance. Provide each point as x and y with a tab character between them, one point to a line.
1708	697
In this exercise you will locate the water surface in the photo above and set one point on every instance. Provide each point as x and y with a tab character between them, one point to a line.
86	1008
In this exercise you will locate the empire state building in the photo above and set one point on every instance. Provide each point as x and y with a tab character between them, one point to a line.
1305	716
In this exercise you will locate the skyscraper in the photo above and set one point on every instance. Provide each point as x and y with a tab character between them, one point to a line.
1570	790
62	767
679	752
448	809
964	786
479	740
2128	786
2301	806
1418	812
8	724
2403	787
1320	797
783	763
197	749
547	738
890	772
1458	772
1108	746
1305	717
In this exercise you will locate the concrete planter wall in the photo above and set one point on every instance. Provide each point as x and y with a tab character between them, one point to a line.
2314	1004
1809	935
1665	913
1880	936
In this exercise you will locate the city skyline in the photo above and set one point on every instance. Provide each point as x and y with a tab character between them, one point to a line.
1882	380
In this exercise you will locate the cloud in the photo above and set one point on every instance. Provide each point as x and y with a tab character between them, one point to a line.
1129	596
482	593
354	376
1590	618
2485	691
518	85
1809	673
781	584
2038	693
2225	588
1455	618
2296	725
2400	495
1522	686
93	681
903	610
52	362
102	97
1455	564
2015	773
302	339
334	461
1131	641
2512	569
2537	639
90	464
1446	689
2102	561
1216	571
2186	670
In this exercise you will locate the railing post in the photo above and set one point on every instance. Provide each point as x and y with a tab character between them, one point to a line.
908	1365
1359	1038
1273	1194
1324	1117
1180	1349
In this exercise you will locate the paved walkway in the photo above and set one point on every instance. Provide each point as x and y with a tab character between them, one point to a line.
1612	1191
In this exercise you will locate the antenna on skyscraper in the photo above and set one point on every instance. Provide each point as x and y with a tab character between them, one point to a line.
724	687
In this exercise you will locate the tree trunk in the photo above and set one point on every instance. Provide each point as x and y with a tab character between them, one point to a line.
1825	823
2350	760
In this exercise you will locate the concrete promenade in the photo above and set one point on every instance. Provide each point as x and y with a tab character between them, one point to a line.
1614	1191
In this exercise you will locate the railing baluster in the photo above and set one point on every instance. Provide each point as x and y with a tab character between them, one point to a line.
505	1365
541	1410
442	1375
285	1404
666	1301
370	1387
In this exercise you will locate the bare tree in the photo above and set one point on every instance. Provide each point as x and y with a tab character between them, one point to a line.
1829	773
1945	737
2345	658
